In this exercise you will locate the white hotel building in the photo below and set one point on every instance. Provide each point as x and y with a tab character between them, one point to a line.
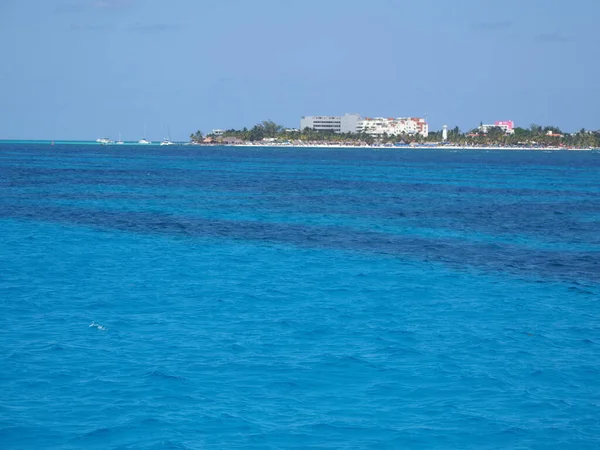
379	126
353	123
337	124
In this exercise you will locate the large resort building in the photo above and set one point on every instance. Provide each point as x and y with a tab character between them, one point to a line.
394	126
338	124
353	123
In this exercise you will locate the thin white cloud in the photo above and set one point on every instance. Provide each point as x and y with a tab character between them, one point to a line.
94	5
154	27
112	4
137	28
552	38
499	25
87	27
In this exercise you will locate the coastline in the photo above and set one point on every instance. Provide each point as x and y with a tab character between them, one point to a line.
307	145
407	147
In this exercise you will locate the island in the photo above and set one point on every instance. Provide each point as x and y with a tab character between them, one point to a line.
535	137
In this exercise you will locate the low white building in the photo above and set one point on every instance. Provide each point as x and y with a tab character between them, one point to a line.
379	126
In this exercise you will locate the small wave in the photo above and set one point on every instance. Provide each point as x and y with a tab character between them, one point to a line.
284	385
237	348
98	326
580	291
514	430
166	376
174	445
100	432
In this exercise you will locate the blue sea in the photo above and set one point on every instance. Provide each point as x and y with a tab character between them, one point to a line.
282	298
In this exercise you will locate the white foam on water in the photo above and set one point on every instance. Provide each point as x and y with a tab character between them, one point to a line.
97	325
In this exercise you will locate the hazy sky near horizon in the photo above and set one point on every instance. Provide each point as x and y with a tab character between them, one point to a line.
81	69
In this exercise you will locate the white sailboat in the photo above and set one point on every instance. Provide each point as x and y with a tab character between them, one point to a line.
119	142
144	141
167	141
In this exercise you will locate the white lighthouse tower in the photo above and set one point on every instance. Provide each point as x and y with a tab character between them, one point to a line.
445	133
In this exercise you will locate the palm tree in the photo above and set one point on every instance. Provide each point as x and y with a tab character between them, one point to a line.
196	137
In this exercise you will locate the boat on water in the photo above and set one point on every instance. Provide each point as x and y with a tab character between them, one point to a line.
119	142
144	141
104	141
167	141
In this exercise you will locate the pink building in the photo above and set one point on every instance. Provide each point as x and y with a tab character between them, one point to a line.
508	125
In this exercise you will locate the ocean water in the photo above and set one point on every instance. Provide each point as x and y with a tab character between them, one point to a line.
260	298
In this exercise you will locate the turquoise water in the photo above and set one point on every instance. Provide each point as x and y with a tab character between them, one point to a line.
42	143
298	298
49	142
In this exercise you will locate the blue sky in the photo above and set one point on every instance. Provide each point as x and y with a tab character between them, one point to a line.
80	69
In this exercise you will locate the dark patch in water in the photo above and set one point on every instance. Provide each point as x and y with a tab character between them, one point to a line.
562	265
